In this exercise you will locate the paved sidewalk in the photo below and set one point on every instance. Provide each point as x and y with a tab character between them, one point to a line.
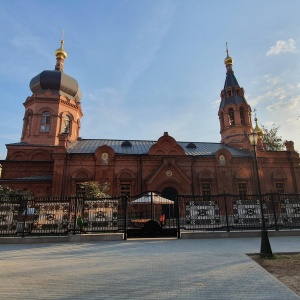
142	269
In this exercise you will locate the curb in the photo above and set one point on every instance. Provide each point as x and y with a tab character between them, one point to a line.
80	238
234	234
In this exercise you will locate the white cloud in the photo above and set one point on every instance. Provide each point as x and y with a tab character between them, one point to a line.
282	46
289	105
278	105
274	94
216	103
272	80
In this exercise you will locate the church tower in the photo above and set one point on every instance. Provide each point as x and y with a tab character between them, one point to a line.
53	111
234	111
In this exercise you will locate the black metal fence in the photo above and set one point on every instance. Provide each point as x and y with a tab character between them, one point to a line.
58	215
233	212
20	216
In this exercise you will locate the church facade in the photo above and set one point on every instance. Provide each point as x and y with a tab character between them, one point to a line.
53	160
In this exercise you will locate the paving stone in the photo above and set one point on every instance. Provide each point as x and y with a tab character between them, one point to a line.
142	269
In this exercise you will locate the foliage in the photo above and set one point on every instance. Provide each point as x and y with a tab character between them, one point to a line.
272	140
4	190
94	189
7	191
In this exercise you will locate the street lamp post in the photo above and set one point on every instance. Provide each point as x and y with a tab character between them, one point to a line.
265	248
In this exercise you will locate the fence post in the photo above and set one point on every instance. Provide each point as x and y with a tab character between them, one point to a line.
125	200
178	216
25	200
226	214
75	217
274	212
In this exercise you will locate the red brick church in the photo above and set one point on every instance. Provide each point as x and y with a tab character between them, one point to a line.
52	159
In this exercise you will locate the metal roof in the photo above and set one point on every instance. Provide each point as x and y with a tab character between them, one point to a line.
58	82
231	81
141	147
30	178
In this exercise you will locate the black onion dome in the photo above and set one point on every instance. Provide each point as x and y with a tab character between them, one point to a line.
58	83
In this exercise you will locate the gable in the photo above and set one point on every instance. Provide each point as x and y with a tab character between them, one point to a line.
166	145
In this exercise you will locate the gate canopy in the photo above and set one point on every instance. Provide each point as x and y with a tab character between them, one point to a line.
152	198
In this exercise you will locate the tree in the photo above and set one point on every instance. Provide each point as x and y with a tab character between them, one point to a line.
271	139
4	190
93	189
7	191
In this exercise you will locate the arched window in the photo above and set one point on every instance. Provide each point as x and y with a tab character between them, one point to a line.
66	124
222	121
231	117
229	93
28	124
242	116
45	124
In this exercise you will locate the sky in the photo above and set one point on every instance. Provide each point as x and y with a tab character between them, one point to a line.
146	67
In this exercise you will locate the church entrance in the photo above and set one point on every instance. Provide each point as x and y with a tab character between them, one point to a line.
171	194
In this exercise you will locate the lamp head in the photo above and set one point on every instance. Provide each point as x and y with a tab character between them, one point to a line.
253	137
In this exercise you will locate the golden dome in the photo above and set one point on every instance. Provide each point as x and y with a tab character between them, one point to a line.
60	52
228	59
258	130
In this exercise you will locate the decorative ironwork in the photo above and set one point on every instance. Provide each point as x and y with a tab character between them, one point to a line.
290	211
246	212
57	216
100	215
8	215
202	213
52	217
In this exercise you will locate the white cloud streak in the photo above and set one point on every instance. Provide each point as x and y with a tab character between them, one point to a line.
111	103
282	47
289	105
147	41
105	111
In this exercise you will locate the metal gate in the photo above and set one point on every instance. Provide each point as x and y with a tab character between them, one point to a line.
150	215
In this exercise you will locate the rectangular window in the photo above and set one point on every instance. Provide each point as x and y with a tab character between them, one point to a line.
79	190
231	117
279	187
125	189
66	125
242	116
45	124
242	186
206	190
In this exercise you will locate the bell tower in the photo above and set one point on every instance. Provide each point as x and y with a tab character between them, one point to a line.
234	111
54	108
